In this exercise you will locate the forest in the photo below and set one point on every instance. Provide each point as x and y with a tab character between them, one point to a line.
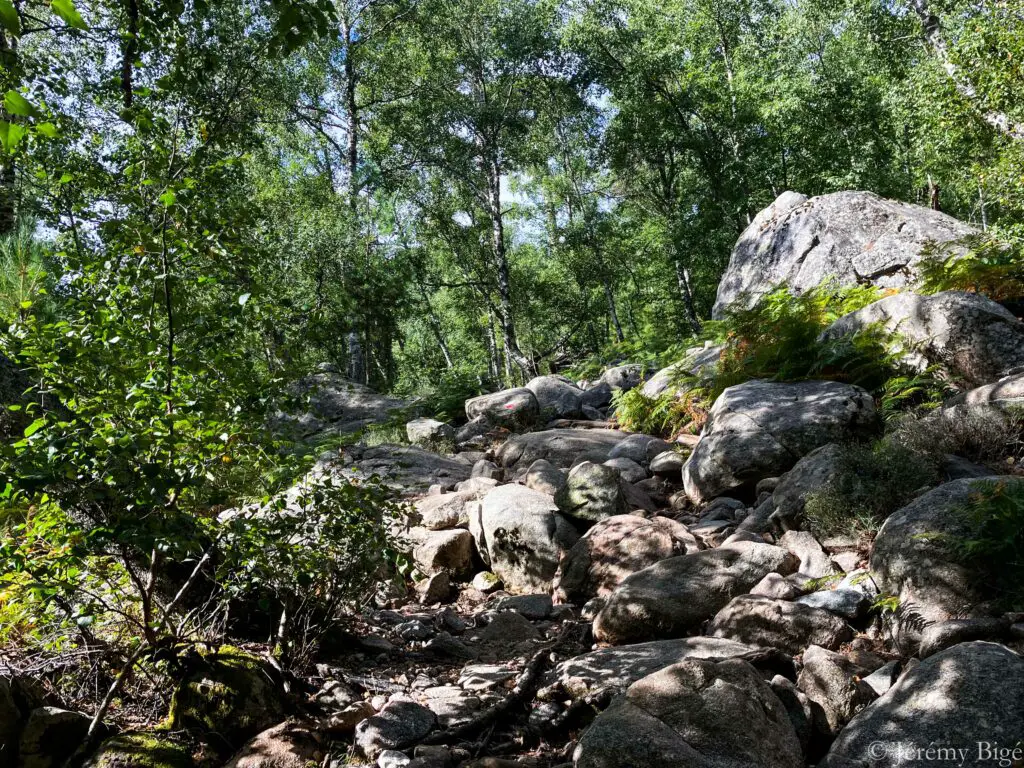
242	239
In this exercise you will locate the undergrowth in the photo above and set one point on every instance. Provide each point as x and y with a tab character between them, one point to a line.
872	482
990	266
993	546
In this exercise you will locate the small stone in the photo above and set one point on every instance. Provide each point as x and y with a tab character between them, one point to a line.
485	581
414	630
392	758
848	603
344	722
400	724
529	606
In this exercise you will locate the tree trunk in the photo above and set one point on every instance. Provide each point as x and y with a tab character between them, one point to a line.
683	281
612	311
356	359
961	81
508	328
8	171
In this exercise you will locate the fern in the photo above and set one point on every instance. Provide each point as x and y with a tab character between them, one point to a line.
990	266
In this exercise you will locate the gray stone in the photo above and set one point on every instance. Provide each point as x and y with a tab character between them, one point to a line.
762	428
400	724
534	607
811	473
619	667
854	238
814	563
450	551
777	587
628	470
956	699
435	589
429	432
414	629
561	447
522	537
486	581
668	463
510	408
851	604
971	336
473	431
882	679
673	596
558	397
1006	392
791	627
392	758
834	684
697	362
592	492
945	634
331	402
487	469
408	469
50	736
543	476
615	548
444	511
912	558
639	448
291	744
694	713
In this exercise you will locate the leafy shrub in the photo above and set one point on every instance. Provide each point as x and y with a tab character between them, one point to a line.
664	414
994	543
779	338
990	266
873	481
985	435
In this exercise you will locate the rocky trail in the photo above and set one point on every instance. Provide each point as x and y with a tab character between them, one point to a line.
600	599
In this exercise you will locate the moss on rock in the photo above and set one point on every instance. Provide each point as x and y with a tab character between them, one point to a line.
140	750
230	694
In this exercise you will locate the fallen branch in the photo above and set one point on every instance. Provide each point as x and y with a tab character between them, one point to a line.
523	692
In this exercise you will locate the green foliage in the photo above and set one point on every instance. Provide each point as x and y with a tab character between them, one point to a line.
991	266
780	338
988	436
665	414
871	483
993	544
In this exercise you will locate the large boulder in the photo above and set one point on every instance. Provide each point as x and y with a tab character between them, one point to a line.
697	361
835	687
326	401
971	336
913	558
674	596
557	397
560	447
621	377
615	548
964	698
855	238
593	492
791	627
813	472
760	429
694	713
51	736
230	693
1006	392
510	408
619	667
522	537
408	469
429	432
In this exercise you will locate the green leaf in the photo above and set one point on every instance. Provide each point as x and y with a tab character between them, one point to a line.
168	198
34	427
67	11
9	17
10	135
16	104
49	130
